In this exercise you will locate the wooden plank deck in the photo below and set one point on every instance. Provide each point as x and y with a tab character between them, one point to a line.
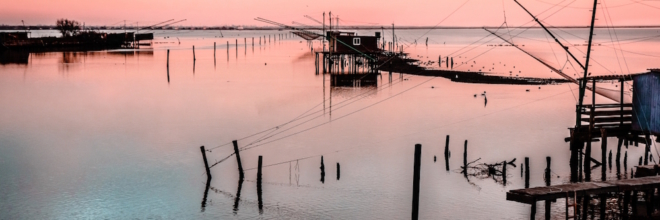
532	195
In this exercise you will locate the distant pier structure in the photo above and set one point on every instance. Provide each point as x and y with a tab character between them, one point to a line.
82	41
350	60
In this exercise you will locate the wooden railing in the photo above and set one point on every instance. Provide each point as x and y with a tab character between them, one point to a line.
606	115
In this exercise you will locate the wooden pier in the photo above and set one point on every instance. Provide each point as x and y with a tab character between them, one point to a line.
532	195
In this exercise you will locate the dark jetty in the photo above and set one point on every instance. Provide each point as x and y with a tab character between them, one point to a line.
83	41
406	66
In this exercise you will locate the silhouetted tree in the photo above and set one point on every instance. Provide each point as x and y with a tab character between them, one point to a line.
68	27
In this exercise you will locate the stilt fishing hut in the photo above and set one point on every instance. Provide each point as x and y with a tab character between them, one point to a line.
351	60
632	121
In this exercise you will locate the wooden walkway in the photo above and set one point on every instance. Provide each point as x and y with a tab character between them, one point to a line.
531	195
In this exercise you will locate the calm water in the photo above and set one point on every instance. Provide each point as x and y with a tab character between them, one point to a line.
110	135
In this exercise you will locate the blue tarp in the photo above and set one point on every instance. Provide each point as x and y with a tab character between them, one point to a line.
646	103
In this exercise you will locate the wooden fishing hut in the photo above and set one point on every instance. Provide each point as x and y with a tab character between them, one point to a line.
631	121
616	118
351	60
628	121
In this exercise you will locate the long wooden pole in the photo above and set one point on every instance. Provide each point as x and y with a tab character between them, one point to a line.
206	164
416	181
238	159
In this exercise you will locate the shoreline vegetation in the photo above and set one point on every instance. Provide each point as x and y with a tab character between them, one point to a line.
239	27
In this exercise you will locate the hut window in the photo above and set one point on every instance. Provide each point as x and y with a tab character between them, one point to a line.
356	41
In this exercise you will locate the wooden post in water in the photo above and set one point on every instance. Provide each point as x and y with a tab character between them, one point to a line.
168	58
548	178
504	173
416	177
574	161
338	171
618	155
526	172
322	171
206	164
465	163
609	160
603	148
260	202
446	149
580	162
194	53
259	170
213	50
587	161
647	149
625	161
238	159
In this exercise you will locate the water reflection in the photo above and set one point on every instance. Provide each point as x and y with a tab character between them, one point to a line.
354	80
238	195
206	193
14	57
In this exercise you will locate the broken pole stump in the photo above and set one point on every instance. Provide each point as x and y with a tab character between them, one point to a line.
322	171
206	164
647	149
260	201
238	159
609	160
504	173
259	170
526	172
447	153
465	159
416	177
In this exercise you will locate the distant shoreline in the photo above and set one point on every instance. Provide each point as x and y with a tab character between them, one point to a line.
248	28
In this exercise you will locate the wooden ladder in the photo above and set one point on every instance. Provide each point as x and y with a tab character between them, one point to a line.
574	204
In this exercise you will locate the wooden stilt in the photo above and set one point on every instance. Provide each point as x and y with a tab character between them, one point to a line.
416	180
603	149
206	164
238	159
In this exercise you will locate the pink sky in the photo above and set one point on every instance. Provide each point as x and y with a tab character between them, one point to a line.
401	12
